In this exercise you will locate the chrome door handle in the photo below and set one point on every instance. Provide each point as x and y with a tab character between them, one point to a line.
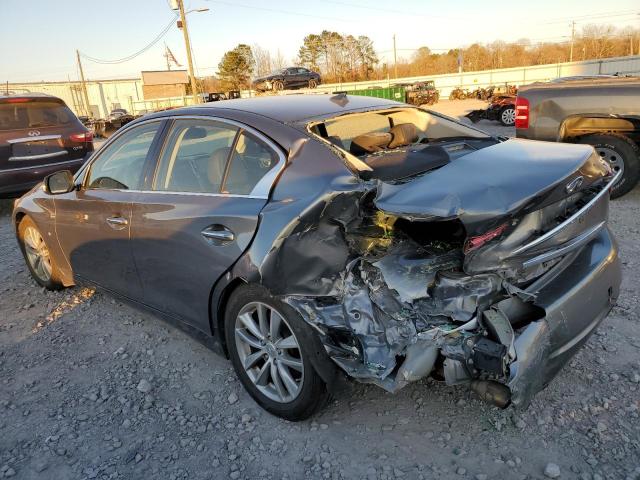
117	223
218	233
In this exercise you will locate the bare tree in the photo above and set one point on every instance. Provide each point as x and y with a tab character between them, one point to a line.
262	59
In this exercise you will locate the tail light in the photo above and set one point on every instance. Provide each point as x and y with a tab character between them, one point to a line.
473	243
81	137
522	112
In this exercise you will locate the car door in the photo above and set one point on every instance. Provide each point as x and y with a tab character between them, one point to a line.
200	212
93	222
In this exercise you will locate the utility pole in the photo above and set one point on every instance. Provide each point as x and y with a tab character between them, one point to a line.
187	44
395	58
573	35
85	95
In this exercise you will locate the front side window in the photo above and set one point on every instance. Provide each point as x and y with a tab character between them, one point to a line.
195	157
120	165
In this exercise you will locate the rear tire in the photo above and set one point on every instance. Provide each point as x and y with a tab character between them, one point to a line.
508	116
273	363
37	256
621	153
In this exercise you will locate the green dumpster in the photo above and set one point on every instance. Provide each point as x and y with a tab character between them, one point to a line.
390	93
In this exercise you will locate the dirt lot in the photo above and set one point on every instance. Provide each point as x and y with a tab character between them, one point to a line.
90	388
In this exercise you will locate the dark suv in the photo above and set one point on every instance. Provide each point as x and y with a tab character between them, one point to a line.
39	135
285	78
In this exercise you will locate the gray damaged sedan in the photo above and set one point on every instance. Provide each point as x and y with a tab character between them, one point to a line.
317	236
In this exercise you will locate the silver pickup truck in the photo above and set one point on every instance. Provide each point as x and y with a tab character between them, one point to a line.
603	111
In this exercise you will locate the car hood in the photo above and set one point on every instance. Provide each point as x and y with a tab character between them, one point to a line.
483	187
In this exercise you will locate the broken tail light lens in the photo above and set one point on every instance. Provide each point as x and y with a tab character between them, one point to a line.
81	137
522	112
474	243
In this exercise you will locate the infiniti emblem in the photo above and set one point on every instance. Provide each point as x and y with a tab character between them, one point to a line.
33	133
574	184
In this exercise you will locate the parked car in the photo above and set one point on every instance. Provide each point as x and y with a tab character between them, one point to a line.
116	119
319	236
501	109
603	111
287	78
39	135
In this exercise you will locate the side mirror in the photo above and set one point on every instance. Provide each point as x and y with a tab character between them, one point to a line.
59	182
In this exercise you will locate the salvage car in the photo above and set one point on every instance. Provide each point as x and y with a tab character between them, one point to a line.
600	110
39	135
323	237
287	78
501	109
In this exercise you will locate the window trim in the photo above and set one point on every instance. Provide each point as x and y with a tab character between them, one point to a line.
262	189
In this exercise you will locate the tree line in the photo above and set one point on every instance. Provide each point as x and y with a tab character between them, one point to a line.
346	58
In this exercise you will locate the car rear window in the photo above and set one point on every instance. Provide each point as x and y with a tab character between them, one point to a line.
33	114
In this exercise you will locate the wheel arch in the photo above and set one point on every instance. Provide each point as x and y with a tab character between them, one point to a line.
574	127
220	295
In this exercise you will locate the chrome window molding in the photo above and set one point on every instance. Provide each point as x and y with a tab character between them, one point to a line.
262	189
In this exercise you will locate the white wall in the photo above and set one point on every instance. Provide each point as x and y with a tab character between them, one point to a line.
514	76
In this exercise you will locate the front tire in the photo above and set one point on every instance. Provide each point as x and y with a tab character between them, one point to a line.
269	347
313	83
621	154
37	255
278	85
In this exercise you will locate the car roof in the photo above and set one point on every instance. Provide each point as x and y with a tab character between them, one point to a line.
30	95
295	108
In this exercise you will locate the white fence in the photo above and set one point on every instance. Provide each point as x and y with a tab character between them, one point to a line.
513	76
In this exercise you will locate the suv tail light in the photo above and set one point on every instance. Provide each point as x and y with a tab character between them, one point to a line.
81	137
522	112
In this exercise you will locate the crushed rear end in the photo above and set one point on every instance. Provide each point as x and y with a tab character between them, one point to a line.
490	269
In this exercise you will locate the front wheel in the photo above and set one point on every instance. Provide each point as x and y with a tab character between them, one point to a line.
278	85
313	83
621	154
508	116
36	253
270	350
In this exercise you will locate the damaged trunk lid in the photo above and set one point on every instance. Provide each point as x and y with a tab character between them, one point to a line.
523	204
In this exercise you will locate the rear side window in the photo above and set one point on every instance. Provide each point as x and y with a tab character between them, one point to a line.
121	164
195	157
251	160
34	114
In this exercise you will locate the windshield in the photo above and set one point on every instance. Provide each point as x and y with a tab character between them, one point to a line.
33	114
396	143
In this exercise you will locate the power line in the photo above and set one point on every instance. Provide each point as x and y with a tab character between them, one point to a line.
275	10
136	54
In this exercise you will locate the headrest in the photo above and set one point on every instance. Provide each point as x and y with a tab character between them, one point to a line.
403	134
370	142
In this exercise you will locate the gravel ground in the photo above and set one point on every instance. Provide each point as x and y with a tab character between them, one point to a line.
91	388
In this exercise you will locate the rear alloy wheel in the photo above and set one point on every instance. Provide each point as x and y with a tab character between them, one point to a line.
621	154
508	116
313	83
277	86
269	348
37	255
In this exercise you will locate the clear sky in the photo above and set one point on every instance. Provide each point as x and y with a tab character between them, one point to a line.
38	38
